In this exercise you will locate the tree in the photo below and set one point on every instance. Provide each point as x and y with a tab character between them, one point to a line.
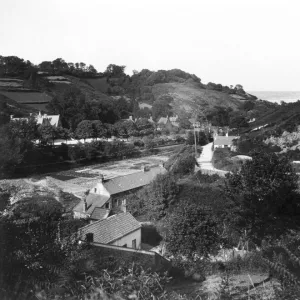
62	133
238	87
265	194
161	107
183	162
115	70
193	231
190	139
125	128
148	143
11	151
99	130
84	129
202	138
144	127
159	195
47	132
25	129
39	246
59	65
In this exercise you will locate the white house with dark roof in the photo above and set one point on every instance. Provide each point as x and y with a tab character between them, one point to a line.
111	194
118	230
224	141
41	119
47	119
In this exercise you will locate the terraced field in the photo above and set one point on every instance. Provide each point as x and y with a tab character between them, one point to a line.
27	97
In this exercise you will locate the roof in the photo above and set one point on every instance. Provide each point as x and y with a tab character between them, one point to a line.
224	140
163	120
52	119
132	181
111	229
173	119
192	120
100	213
92	201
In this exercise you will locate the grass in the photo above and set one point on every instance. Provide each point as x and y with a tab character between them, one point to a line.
27	97
190	95
98	84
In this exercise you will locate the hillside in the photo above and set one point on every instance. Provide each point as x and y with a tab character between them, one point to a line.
160	93
184	91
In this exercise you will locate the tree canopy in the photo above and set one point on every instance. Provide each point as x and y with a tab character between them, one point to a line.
193	231
266	196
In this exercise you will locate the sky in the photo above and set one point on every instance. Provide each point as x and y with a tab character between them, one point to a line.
250	42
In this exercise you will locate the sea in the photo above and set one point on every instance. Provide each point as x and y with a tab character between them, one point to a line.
277	96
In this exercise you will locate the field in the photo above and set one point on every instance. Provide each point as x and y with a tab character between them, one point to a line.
189	95
98	84
27	97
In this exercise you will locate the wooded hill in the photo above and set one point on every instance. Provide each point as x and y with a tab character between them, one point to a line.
161	93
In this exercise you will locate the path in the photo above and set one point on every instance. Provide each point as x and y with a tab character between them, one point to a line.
205	161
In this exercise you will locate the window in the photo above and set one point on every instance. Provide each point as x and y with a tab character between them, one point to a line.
89	237
107	205
95	190
134	244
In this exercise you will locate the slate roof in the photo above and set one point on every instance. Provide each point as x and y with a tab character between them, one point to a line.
111	229
100	213
224	140
132	181
92	201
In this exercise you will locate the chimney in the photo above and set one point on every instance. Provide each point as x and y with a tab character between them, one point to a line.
144	168
130	118
84	208
30	114
226	133
101	177
11	117
124	205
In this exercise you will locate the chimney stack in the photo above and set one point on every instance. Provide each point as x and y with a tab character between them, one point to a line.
227	133
101	177
84	209
124	205
11	117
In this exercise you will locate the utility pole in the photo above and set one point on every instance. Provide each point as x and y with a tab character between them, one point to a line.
196	124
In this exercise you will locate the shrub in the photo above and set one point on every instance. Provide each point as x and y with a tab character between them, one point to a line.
138	143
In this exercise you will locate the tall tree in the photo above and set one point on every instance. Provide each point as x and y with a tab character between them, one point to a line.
193	231
265	194
99	130
47	133
84	129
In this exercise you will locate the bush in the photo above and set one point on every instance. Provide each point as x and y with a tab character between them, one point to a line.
183	162
138	143
222	160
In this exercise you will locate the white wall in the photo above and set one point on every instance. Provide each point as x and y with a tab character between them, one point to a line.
127	239
100	190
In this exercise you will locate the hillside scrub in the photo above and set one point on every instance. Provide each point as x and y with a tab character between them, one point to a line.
183	162
41	258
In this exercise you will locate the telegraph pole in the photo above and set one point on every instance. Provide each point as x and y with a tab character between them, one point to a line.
196	124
